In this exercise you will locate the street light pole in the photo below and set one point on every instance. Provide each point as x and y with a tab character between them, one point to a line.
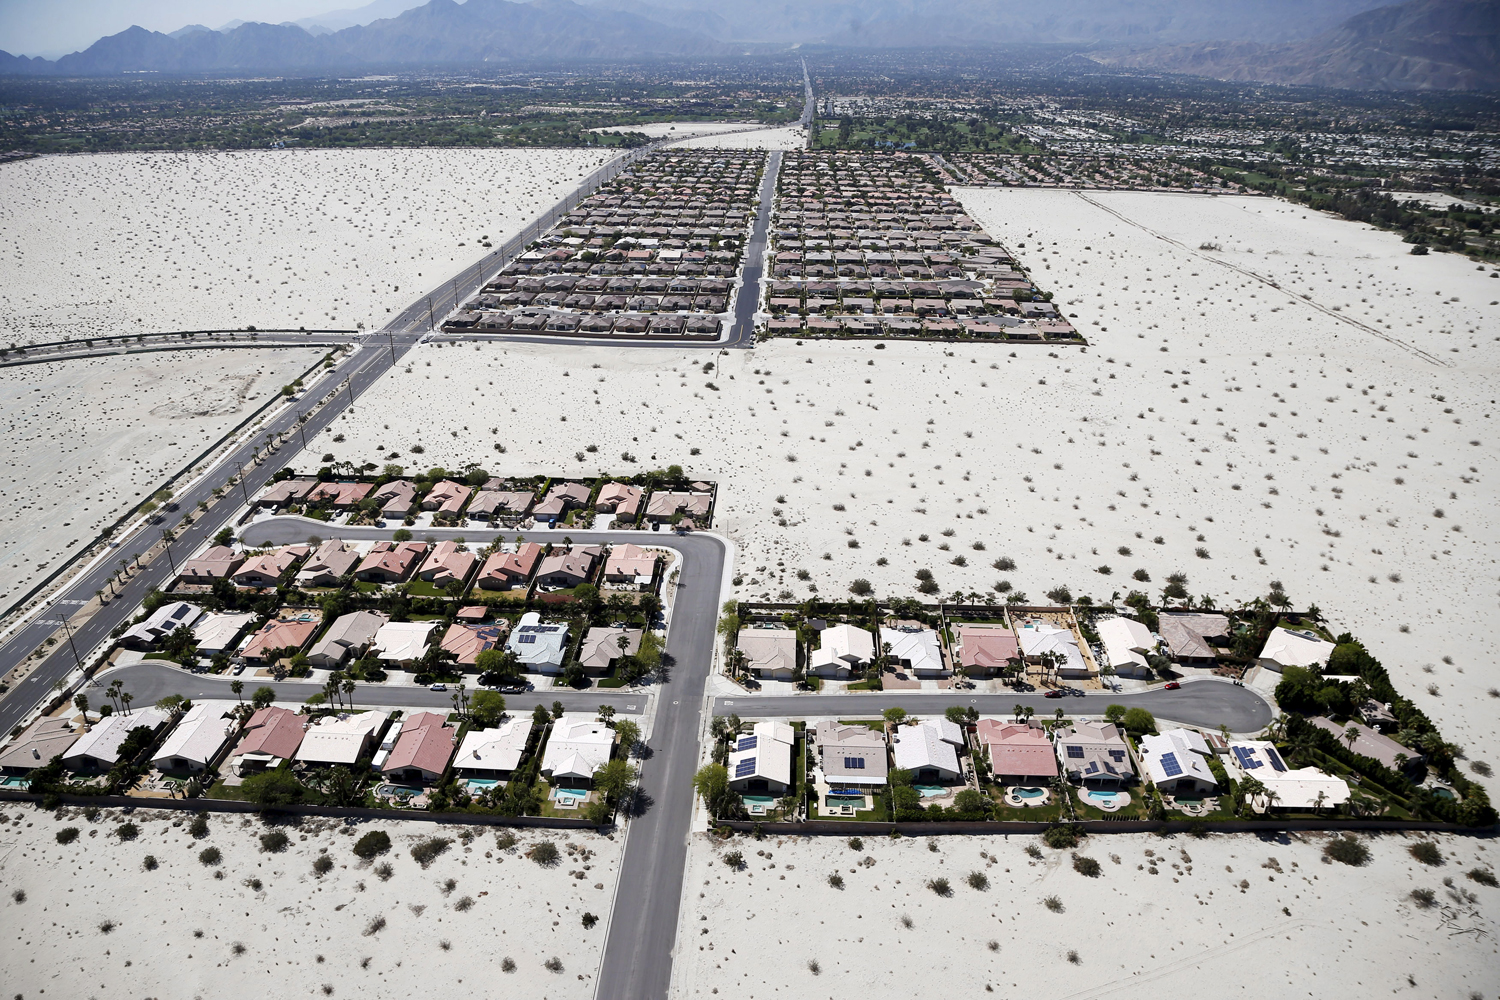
240	468
390	339
302	429
166	545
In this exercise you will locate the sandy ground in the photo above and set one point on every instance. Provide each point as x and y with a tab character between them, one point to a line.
89	438
767	138
659	130
181	931
130	243
1213	411
1189	929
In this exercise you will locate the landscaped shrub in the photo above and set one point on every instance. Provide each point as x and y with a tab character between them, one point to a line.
274	842
425	852
1061	838
67	835
1426	852
1088	867
544	854
374	843
1347	850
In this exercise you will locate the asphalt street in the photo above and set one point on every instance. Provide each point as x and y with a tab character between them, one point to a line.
742	333
199	342
1208	703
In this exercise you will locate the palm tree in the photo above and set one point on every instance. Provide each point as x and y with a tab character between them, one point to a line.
1250	788
1018	711
1351	736
1029	712
1318	802
348	688
1059	714
238	687
126	698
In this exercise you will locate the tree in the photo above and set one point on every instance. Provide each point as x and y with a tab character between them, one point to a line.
615	779
1138	720
895	716
1018	711
1114	714
712	783
81	702
540	716
497	667
401	535
1351	736
486	708
273	788
263	697
238	687
629	734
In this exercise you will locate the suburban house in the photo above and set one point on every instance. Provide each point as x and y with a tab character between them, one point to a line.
760	762
1286	788
602	646
1371	743
447	497
1126	643
1095	754
1019	754
285	493
446	564
265	570
272	734
927	750
99	748
493	753
538	646
1188	635
390	562
630	566
503	570
339	496
620	499
397	498
769	652
851	755
985	650
560	499
1176	761
422	750
348	635
578	746
215	563
466	642
1287	648
161	623
278	635
841	650
198	737
568	567
1039	638
34	748
329	561
664	507
488	504
402	642
913	649
340	739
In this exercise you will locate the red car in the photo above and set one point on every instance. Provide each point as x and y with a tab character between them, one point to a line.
1053	694
1172	686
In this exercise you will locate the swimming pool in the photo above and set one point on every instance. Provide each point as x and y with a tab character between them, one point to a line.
1443	793
835	801
14	782
1028	793
481	784
930	791
1102	798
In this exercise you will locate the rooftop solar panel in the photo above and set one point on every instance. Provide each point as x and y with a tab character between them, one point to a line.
854	763
746	766
746	743
1170	766
527	638
1075	752
1275	759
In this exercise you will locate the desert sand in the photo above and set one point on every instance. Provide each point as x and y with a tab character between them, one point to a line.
767	138
90	438
137	243
1226	915
93	921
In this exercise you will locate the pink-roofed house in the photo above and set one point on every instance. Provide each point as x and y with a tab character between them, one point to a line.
390	562
275	636
665	506
503	570
568	567
466	642
984	650
339	496
264	571
1019	754
560	499
629	566
620	499
422	749
271	733
447	563
447	497
284	493
214	564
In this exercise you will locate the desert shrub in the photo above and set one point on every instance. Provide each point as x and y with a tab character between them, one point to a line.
127	831
106	926
210	856
814	967
1061	838
274	842
589	920
371	844
322	865
978	880
384	871
1426	852
1053	903
1034	851
448	886
544	854
19	895
992	945
856	844
507	964
1073	956
255	885
1086	866
505	840
734	859
940	886
149	862
67	835
425	852
553	964
198	827
1347	850
464	904
1425	898
836	880
906	921
1483	876
375	926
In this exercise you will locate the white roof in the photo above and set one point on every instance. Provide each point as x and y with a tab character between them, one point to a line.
494	749
353	629
924	745
920	648
163	621
1174	754
1126	641
579	746
340	739
536	642
844	642
215	632
102	743
1295	649
764	752
1037	639
199	736
403	640
1295	789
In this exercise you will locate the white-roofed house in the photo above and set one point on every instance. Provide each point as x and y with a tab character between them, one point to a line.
915	650
1176	761
403	642
578	746
197	738
1038	638
1286	787
161	623
760	762
1288	648
851	755
927	750
493	753
216	633
99	748
340	739
841	650
1126	643
540	646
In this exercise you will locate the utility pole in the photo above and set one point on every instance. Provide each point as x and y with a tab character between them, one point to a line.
67	631
390	339
302	428
349	385
166	545
239	466
431	324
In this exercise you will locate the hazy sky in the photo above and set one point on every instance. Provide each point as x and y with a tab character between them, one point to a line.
55	27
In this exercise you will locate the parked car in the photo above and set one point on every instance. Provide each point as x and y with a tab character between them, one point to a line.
1172	686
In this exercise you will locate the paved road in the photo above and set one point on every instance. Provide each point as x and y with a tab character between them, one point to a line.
742	333
1207	703
75	349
